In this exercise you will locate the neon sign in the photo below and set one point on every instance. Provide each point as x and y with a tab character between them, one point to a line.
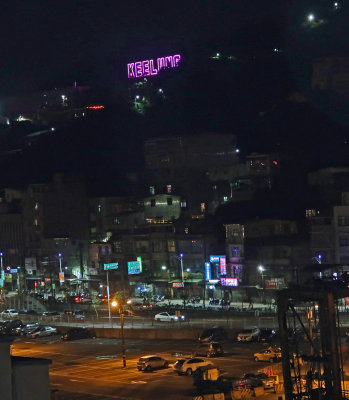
150	67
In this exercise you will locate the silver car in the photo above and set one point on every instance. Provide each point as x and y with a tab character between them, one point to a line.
149	363
42	331
189	365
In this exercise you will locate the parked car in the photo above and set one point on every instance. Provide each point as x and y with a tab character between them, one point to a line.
189	365
42	331
10	313
51	314
266	335
149	363
8	327
78	333
26	329
259	379
248	335
208	349
215	334
77	314
271	355
166	317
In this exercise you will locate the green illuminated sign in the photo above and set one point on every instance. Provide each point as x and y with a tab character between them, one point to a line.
135	267
111	266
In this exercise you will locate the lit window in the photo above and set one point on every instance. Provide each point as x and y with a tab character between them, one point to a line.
203	207
99	208
152	190
36	222
309	213
36	207
186	230
343	220
116	221
169	188
225	198
183	204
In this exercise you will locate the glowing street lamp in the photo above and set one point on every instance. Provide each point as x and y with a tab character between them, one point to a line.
310	17
261	269
181	260
1	255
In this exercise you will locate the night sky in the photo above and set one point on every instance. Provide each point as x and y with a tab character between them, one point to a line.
46	44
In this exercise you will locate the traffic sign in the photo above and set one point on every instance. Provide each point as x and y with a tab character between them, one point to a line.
111	266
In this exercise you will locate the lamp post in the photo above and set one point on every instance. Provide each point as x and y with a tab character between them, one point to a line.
261	269
60	268
181	260
121	310
1	255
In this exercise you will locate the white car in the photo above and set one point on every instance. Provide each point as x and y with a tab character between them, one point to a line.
42	331
10	313
189	365
248	335
166	317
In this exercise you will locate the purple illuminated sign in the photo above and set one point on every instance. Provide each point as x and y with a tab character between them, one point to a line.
150	67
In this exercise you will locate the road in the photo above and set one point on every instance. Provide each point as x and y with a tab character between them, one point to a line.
91	369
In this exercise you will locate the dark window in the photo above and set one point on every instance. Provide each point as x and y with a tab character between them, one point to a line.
153	202
169	201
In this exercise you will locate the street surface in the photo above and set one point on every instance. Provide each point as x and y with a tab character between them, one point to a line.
91	369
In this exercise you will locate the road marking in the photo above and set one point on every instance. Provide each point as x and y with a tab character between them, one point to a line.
139	382
77	380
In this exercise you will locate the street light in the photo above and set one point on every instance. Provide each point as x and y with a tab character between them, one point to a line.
1	255
121	310
261	269
311	17
181	260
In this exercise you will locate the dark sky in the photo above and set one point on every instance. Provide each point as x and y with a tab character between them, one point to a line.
47	43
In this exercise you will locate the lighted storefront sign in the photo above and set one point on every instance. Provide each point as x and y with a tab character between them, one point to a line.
151	67
177	284
135	267
229	282
271	284
223	265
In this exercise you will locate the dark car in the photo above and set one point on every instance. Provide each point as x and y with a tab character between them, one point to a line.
26	329
208	349
214	334
78	333
9	327
266	335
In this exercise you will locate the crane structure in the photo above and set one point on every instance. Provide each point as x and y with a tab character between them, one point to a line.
309	326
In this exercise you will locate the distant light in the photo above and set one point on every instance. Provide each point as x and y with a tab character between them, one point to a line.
275	162
100	285
319	256
99	107
311	17
211	287
276	50
65	267
336	4
261	268
188	269
1	254
137	97
129	301
63	96
114	303
218	55
163	267
181	255
160	90
53	129
237	151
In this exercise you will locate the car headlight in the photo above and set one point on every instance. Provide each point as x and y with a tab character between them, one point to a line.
183	317
176	318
